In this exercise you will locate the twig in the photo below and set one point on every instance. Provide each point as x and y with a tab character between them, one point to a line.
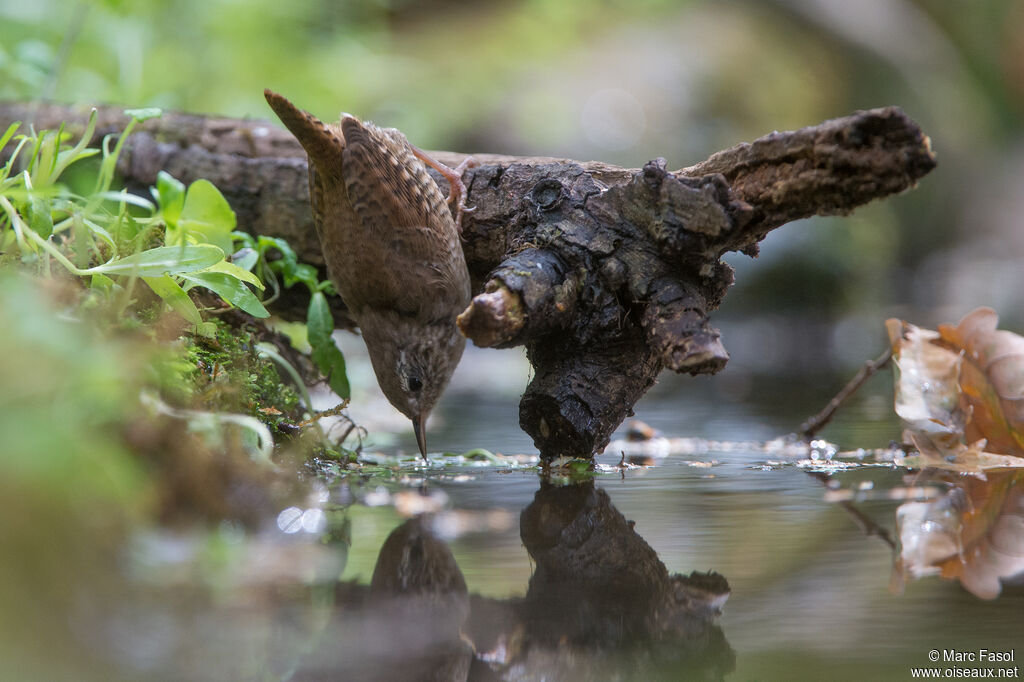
863	521
867	525
816	423
335	411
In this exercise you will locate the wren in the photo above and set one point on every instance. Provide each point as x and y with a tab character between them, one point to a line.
392	248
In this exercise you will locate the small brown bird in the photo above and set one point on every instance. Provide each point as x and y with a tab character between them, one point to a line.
392	248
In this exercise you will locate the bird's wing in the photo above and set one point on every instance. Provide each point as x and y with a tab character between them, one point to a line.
409	231
388	186
316	199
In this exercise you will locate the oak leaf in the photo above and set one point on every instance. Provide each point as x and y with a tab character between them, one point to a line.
960	392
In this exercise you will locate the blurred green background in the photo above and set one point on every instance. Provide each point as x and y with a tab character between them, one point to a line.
617	81
624	82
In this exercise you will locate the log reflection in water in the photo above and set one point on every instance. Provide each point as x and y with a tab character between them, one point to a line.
601	601
600	604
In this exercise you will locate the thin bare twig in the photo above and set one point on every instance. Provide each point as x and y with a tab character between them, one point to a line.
335	411
812	426
863	521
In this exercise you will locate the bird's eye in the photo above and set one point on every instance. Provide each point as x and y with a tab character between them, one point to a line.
415	384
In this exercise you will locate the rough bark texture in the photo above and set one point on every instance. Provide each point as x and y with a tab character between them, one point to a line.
605	274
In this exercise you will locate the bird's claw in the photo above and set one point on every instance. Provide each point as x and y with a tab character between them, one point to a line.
457	189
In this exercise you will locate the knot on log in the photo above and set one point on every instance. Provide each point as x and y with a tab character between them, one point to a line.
678	329
494	318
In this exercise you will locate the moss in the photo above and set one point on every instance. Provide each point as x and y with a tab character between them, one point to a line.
230	375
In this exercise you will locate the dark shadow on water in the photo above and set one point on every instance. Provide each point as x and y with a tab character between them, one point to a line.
600	605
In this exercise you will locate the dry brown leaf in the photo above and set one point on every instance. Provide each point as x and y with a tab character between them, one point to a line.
991	380
960	392
927	394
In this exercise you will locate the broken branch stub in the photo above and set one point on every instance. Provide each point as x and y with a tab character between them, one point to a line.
606	275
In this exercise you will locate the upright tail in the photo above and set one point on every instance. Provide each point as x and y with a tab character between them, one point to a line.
322	143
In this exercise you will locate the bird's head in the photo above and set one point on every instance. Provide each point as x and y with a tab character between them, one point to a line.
413	362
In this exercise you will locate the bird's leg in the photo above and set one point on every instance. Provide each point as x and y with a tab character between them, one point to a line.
457	192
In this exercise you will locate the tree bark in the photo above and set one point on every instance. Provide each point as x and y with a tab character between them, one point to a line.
605	274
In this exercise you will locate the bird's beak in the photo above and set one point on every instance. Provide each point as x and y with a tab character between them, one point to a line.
419	428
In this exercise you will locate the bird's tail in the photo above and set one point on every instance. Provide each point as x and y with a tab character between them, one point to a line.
322	143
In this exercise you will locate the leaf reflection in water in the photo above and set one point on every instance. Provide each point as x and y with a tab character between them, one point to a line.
974	533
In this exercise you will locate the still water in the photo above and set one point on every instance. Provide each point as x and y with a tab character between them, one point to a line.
815	587
733	556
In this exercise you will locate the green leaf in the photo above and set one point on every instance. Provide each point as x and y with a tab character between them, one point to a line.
287	265
332	363
9	133
125	197
98	231
144	114
319	321
265	243
170	195
101	282
79	151
207	329
326	356
171	292
483	455
156	262
304	273
237	272
41	220
231	289
245	239
246	259
69	156
109	164
44	159
268	350
207	216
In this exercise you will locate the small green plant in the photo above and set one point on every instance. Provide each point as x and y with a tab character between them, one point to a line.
114	238
256	256
182	239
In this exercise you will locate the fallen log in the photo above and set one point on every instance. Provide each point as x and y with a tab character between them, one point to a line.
606	275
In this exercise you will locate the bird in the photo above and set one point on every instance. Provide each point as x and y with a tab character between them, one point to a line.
393	250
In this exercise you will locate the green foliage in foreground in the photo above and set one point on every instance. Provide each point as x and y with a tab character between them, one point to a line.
69	483
117	240
92	457
66	390
319	321
120	382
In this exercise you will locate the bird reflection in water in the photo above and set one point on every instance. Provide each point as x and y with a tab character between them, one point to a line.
599	605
